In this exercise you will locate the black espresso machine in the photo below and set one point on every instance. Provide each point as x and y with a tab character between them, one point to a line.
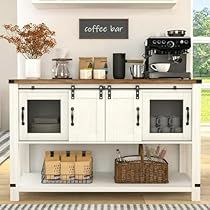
171	50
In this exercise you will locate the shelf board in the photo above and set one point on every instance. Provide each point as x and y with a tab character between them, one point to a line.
102	3
164	81
104	182
105	143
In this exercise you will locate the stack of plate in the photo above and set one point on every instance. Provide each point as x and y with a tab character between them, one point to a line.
4	146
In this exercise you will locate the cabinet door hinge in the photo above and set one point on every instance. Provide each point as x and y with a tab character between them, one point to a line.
109	88
101	92
72	92
197	185
137	91
12	185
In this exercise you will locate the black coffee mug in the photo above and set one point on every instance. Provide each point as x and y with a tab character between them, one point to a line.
119	65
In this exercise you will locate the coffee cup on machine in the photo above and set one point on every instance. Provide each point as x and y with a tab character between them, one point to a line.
160	67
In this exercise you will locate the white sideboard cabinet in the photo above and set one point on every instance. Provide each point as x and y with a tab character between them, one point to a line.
102	116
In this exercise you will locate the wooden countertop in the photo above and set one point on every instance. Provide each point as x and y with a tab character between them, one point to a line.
108	81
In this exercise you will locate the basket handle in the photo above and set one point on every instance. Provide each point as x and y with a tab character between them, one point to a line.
141	152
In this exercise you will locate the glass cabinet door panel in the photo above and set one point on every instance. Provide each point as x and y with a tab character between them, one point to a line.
166	116
44	116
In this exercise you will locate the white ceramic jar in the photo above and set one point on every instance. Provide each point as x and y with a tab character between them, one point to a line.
33	68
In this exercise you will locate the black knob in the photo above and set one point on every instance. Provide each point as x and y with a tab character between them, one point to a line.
154	42
170	44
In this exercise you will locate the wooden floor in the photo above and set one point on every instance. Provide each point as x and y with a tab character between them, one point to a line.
113	197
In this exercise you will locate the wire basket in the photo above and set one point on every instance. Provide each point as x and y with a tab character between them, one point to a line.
77	179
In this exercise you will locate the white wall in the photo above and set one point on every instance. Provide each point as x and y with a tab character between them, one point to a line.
142	23
8	68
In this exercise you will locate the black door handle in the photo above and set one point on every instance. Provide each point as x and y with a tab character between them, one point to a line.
138	117
72	116
188	115
22	115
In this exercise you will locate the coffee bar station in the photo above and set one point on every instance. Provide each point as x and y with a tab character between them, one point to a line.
125	125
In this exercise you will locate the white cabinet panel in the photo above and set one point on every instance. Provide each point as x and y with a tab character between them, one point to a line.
87	117
43	115
167	115
123	117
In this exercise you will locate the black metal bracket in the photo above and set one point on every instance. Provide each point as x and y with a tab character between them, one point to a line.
101	92
12	185
137	91
33	87
197	185
109	88
72	92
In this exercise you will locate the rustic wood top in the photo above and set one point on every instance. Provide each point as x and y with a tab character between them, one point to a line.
108	81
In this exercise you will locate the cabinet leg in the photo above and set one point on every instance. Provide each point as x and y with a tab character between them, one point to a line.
14	194
195	195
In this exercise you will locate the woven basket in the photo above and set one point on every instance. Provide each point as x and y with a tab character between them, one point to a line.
140	169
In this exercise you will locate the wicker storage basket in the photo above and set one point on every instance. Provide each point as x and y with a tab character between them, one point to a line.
140	169
52	165
67	165
83	165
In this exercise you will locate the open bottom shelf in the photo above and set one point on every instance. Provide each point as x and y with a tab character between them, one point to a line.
104	182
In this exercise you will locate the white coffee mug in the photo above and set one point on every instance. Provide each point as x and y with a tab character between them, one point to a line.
160	67
163	121
155	130
165	130
175	121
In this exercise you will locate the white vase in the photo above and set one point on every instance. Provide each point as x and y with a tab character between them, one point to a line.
32	68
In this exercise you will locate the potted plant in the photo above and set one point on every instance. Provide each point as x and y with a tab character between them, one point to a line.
32	41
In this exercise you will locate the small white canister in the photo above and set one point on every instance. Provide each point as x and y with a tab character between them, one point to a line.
99	74
33	68
86	74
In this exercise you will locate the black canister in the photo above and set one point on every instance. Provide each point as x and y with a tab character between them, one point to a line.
119	65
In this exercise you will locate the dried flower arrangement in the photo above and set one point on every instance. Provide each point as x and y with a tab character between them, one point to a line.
32	40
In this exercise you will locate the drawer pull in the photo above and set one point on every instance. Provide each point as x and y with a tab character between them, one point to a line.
138	117
22	116
188	116
72	116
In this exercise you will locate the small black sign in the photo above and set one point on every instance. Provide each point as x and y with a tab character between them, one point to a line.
103	28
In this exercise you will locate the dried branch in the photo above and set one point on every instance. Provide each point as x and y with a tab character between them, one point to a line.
32	40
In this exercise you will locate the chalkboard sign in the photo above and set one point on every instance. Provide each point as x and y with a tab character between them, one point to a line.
103	28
